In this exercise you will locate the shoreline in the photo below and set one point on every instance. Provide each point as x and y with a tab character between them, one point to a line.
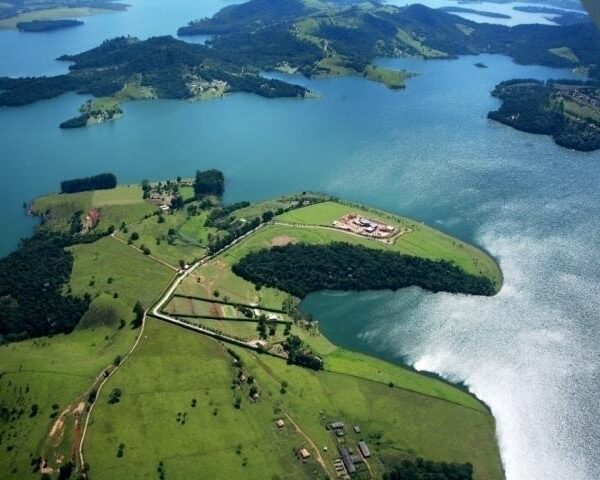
10	23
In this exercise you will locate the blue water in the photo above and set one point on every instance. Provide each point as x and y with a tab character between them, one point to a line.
532	352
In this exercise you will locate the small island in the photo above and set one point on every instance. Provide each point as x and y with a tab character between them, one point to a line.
566	110
164	309
47	25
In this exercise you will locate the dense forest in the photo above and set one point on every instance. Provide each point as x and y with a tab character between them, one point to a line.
167	66
209	182
428	470
535	107
301	269
103	181
47	25
31	283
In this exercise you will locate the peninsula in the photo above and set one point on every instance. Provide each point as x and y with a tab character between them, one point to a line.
568	111
161	287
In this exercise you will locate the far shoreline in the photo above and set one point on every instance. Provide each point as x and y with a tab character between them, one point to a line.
10	23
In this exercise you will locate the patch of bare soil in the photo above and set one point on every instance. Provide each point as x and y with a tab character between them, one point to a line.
283	240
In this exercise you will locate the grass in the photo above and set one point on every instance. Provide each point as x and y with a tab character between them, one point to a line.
427	52
48	371
108	266
193	229
186	246
171	368
422	241
159	386
393	79
566	53
121	204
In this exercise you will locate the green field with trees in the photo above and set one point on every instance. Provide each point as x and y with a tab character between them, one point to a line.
181	396
191	414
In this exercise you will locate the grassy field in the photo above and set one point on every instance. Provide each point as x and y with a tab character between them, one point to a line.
422	241
54	371
121	204
170	369
173	367
393	79
185	246
108	266
177	413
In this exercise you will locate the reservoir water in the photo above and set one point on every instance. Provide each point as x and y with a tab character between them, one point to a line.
532	352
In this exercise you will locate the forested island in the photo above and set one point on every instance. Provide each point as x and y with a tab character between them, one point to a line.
47	25
294	36
567	110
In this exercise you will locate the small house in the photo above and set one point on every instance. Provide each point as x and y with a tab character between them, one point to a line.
280	423
356	429
364	449
348	463
304	453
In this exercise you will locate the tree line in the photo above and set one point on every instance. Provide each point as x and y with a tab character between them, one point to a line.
32	280
102	181
301	269
420	469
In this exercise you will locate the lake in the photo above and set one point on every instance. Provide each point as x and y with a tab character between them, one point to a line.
532	352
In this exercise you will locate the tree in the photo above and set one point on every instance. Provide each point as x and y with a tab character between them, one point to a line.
97	182
115	396
267	216
134	236
177	202
139	311
209	182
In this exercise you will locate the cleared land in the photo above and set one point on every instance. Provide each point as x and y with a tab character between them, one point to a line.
393	79
177	412
169	370
174	367
107	266
187	242
54	371
120	204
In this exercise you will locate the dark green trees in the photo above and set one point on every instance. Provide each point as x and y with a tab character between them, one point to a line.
96	182
209	182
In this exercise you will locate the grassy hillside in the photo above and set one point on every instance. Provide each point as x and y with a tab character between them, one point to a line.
156	421
216	440
51	372
121	204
